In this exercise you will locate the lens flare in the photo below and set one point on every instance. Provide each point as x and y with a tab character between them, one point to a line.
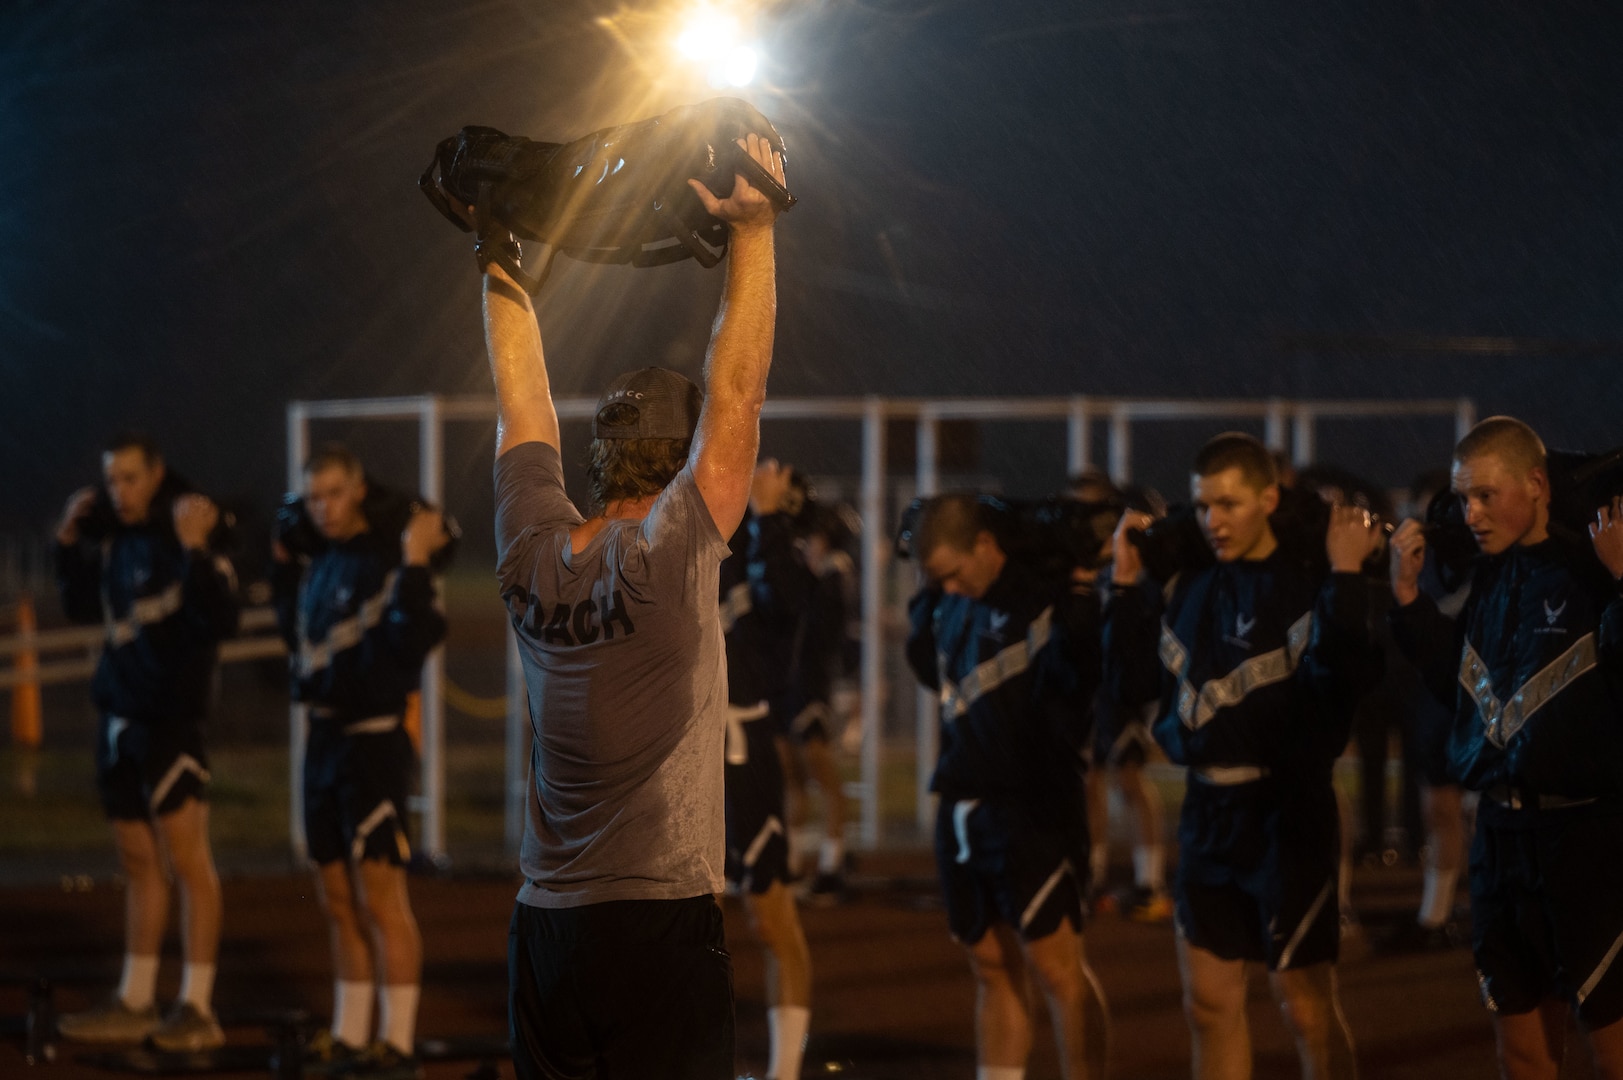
737	68
708	34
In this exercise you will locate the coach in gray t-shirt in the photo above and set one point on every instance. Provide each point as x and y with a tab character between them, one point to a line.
623	658
617	960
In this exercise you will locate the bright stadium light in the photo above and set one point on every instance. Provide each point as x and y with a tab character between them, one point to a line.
707	34
737	68
712	38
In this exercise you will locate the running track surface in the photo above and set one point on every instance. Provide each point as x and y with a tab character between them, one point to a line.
892	993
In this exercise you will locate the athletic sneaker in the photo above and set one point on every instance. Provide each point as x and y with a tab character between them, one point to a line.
327	1056
111	1022
380	1061
187	1029
1104	902
1146	905
826	889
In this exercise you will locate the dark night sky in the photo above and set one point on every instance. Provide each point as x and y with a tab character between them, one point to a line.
209	209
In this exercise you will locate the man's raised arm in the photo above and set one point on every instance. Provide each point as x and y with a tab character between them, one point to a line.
524	409
740	355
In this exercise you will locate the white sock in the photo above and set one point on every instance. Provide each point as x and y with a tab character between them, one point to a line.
787	1024
802	842
1437	897
139	984
197	987
1099	864
1149	867
351	1012
397	1016
1000	1072
831	855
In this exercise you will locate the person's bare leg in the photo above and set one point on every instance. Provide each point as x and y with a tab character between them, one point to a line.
825	773
1311	1006
185	834
796	805
1097	784
353	970
1144	802
397	946
1344	864
1002	1000
1445	851
1532	1044
146	887
1606	1047
1214	1003
1096	1017
346	929
146	908
776	922
1057	965
181	838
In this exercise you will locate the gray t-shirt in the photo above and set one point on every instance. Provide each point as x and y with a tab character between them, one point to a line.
623	658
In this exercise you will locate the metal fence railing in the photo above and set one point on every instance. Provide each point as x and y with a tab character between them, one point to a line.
889	703
69	654
1289	425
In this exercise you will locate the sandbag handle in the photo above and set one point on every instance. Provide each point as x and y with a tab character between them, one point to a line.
762	180
496	245
682	231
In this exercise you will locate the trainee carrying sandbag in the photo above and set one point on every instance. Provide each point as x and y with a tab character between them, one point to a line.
619	195
387	514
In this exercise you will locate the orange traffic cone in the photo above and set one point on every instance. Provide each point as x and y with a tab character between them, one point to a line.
27	723
413	720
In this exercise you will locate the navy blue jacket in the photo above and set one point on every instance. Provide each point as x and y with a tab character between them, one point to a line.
166	610
1533	670
764	590
1015	671
358	626
1256	663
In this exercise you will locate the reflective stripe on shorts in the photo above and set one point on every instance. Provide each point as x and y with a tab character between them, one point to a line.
382	812
738	747
183	764
960	825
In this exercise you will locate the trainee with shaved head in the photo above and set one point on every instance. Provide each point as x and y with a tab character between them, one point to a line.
1532	669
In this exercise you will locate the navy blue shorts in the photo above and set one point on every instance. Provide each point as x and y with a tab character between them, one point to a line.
1546	922
357	783
628	988
757	840
1257	874
147	769
1121	736
804	720
1003	862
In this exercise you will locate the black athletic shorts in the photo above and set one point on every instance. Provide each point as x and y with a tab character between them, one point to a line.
804	720
1546	922
757	841
357	783
1121	736
625	989
1257	873
147	769
1003	862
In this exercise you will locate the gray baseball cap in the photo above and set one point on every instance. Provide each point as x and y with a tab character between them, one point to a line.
657	403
